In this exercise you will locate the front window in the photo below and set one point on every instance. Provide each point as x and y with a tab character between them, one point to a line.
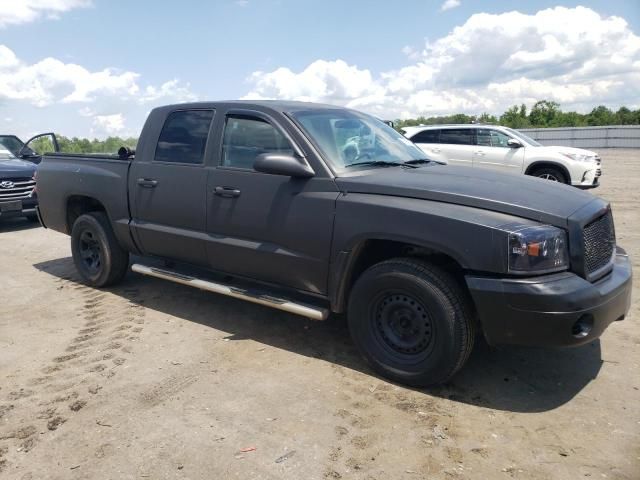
525	138
347	138
247	137
492	138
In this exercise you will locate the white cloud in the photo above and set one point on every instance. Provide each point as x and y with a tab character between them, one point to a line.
322	80
14	12
571	55
172	89
449	4
242	3
108	124
52	81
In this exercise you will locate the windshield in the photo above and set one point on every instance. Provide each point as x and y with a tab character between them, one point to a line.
6	155
347	138
11	143
525	138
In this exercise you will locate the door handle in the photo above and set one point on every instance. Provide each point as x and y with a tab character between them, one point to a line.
147	182
435	150
229	192
480	152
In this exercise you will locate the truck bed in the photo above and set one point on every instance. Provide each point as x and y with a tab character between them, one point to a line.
67	179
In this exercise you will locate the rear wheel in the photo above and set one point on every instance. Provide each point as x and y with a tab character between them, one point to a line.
411	321
551	174
98	256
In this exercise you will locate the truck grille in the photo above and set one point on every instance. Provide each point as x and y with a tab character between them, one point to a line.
16	188
599	242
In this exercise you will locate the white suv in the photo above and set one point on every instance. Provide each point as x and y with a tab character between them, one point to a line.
506	150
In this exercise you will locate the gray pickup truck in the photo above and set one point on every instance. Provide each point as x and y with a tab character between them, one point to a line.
314	209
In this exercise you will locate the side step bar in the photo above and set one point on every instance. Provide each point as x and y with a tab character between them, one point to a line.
312	312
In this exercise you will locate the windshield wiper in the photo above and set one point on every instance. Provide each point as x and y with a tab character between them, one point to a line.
418	161
376	163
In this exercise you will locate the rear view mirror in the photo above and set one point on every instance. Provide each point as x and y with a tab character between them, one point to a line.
350	124
513	143
283	164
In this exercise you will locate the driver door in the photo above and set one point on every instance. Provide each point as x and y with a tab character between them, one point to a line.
37	146
272	228
493	152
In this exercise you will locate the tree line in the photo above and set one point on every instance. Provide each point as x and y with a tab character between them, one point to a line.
544	114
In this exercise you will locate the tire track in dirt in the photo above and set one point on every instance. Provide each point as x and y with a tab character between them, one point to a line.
110	324
356	446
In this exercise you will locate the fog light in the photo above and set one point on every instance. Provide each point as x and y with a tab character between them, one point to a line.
582	327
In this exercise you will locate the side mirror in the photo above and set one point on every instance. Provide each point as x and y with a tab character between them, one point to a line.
282	164
513	143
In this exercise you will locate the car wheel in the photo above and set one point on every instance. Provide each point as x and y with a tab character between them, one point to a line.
551	174
98	256
411	321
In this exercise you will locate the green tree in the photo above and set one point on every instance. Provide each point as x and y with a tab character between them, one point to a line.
601	115
543	112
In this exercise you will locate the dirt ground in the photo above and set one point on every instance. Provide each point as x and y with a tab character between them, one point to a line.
156	380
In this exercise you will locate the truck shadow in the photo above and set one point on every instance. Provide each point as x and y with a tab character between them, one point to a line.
509	378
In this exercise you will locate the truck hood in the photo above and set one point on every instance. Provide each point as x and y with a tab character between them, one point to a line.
526	197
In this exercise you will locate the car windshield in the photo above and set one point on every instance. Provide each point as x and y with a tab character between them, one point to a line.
347	139
6	155
525	138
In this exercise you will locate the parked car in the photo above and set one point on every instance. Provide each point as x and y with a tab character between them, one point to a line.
17	187
260	201
506	150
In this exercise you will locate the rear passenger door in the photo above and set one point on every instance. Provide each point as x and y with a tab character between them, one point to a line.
169	190
428	141
493	152
457	145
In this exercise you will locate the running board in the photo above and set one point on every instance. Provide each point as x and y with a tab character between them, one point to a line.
312	312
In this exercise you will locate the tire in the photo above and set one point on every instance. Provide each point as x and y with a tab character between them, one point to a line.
32	218
411	321
551	174
98	256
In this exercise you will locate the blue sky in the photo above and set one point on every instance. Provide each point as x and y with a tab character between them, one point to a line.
94	68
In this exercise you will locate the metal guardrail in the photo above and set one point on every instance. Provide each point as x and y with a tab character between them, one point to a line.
610	136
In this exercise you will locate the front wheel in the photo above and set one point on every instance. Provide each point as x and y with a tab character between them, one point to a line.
551	174
98	256
411	321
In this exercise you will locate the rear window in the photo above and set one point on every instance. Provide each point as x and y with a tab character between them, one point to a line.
184	137
426	136
458	136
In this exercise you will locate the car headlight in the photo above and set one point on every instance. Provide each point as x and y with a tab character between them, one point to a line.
579	157
539	250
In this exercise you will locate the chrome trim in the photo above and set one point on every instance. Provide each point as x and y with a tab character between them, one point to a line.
309	311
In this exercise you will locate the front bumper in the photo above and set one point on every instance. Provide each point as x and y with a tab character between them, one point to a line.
554	310
18	208
590	178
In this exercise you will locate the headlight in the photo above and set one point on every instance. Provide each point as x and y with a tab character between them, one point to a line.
579	157
540	249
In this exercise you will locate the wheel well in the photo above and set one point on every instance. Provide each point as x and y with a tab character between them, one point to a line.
538	165
78	205
370	252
